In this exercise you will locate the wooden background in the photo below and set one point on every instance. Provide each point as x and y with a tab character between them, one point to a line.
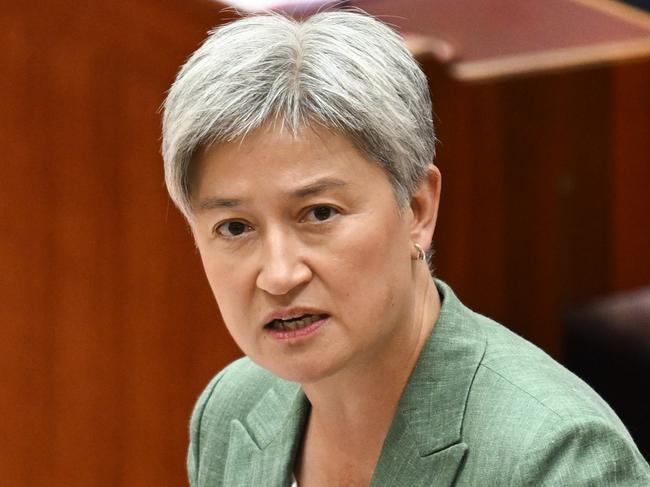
108	330
545	174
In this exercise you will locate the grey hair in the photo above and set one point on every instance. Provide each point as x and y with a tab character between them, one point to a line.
345	71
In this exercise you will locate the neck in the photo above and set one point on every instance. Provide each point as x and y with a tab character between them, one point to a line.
358	403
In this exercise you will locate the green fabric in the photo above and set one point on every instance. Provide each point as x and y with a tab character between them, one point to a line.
483	407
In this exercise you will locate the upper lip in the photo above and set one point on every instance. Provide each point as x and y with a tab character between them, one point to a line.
288	313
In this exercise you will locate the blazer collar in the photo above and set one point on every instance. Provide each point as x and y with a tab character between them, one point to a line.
423	444
435	397
261	450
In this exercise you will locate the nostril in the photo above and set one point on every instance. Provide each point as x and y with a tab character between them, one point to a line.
280	276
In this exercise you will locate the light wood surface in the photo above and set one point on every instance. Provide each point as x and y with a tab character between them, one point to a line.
500	38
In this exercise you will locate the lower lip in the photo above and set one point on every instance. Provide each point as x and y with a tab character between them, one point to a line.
300	333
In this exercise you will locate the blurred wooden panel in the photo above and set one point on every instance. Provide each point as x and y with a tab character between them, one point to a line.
631	176
109	330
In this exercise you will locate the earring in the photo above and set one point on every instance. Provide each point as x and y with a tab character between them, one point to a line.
421	257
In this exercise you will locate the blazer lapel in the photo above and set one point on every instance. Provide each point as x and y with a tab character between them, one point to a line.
261	450
424	444
402	464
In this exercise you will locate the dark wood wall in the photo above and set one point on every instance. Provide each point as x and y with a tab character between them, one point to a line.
108	328
545	170
630	182
545	201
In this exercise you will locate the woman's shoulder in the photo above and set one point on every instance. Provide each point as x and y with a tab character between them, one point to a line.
514	371
234	391
230	397
510	372
537	420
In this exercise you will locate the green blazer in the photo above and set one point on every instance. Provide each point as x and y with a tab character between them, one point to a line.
483	407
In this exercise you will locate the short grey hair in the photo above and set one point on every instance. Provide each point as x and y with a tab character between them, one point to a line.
345	71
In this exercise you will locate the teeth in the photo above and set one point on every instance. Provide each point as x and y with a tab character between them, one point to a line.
295	323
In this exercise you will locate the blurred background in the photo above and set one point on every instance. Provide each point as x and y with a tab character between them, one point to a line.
108	330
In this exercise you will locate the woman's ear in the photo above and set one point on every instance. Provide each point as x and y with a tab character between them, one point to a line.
424	208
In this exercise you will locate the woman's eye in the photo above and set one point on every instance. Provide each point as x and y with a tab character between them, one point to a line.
232	229
321	213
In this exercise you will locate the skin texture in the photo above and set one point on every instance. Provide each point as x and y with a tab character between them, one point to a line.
307	223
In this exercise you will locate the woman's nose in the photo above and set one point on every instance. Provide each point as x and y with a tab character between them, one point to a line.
282	268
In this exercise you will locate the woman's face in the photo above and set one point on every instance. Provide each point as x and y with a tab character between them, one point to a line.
306	251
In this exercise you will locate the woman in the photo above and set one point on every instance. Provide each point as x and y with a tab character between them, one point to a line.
301	154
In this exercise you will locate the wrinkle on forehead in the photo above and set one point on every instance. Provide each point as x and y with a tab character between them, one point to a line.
314	148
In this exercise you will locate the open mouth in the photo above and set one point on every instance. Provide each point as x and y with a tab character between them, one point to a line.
296	323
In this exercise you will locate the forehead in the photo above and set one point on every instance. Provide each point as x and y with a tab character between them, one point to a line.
275	159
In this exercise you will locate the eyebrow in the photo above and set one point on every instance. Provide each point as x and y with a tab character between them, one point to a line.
310	189
213	203
318	187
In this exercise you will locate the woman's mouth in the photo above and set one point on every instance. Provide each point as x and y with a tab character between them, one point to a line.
296	327
296	323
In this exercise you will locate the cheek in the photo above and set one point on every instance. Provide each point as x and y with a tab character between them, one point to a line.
376	244
371	264
227	288
232	307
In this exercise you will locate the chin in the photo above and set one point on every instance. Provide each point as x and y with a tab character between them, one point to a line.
301	371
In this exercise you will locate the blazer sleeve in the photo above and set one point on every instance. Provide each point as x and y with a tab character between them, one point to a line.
194	450
588	452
